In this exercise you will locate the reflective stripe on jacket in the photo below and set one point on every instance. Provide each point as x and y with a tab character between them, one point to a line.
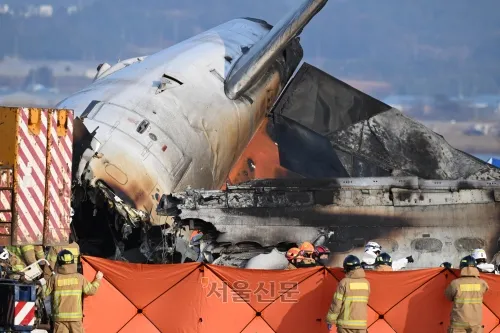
349	308
32	253
466	293
16	258
22	256
66	289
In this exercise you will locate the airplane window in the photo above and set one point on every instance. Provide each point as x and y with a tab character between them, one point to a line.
467	244
426	245
142	126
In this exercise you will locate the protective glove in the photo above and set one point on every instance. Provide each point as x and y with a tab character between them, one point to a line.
99	275
410	259
42	282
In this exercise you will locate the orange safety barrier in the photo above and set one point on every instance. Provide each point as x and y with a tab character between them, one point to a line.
202	298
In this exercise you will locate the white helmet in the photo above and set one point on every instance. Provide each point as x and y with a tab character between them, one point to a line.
4	255
479	254
373	247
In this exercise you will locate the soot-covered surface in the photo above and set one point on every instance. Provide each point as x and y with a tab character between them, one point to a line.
370	138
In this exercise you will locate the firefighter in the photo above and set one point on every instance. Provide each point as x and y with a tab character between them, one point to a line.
307	248
304	260
480	256
66	288
466	293
291	254
446	264
383	262
305	256
25	255
322	255
373	249
349	308
72	246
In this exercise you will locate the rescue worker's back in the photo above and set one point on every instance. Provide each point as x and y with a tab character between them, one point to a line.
349	308
66	289
383	263
466	293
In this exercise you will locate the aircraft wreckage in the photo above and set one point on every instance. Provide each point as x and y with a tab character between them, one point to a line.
216	134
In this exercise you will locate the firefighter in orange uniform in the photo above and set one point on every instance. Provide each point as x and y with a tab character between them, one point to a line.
349	308
383	263
466	293
306	255
322	255
66	288
291	254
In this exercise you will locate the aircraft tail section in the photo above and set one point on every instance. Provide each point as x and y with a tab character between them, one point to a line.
371	138
253	64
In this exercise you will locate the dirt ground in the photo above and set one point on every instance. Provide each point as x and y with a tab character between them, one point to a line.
454	134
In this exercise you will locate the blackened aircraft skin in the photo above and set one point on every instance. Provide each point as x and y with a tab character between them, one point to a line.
187	116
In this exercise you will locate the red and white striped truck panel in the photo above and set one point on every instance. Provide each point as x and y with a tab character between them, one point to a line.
37	150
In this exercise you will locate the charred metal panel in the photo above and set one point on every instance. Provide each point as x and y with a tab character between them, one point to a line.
325	104
213	199
400	144
284	199
403	197
488	172
260	159
240	200
305	152
335	183
269	212
372	138
359	167
363	198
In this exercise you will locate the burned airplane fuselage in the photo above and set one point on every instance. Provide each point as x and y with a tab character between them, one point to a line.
164	122
156	124
434	221
223	108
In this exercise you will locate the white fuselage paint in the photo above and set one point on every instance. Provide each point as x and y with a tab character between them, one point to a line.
199	131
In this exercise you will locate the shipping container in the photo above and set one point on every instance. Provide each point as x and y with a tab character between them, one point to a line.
36	150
